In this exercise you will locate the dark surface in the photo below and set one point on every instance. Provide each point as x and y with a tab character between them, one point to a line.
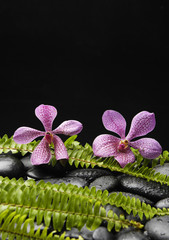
84	57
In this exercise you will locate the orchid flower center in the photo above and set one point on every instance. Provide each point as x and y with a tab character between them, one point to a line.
49	137
123	145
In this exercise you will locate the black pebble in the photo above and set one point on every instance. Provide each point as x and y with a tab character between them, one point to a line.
163	169
11	167
104	183
45	171
101	233
131	234
26	162
152	190
80	182
89	174
158	228
164	203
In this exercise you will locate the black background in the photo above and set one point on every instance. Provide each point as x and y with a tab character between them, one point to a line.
84	57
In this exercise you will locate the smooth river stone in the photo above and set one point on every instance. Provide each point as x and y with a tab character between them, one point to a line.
163	169
80	182
89	174
104	183
45	171
158	228
164	203
152	190
11	167
131	234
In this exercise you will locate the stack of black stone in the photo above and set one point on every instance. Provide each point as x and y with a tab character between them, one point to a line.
152	193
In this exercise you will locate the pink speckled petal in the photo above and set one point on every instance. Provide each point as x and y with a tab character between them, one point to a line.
70	127
46	114
41	154
60	149
125	157
148	147
143	123
115	122
24	135
105	145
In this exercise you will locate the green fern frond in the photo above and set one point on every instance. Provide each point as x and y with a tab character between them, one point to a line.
13	225
130	205
75	206
58	204
69	203
17	226
8	144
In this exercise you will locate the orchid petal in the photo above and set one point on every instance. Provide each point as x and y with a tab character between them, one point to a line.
70	127
41	154
46	114
24	135
115	122
60	149
125	157
105	145
148	147
143	123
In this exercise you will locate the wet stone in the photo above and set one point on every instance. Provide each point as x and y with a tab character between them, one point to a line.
158	228
89	174
163	169
164	203
131	234
26	162
45	171
102	233
11	167
80	182
104	183
152	190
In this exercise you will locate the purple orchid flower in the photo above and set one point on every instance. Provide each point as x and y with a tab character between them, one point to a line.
106	145
42	154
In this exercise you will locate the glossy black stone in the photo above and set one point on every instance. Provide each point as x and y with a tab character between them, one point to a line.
90	174
104	183
80	182
45	171
131	234
164	203
26	162
151	190
163	169
158	228
11	167
102	233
